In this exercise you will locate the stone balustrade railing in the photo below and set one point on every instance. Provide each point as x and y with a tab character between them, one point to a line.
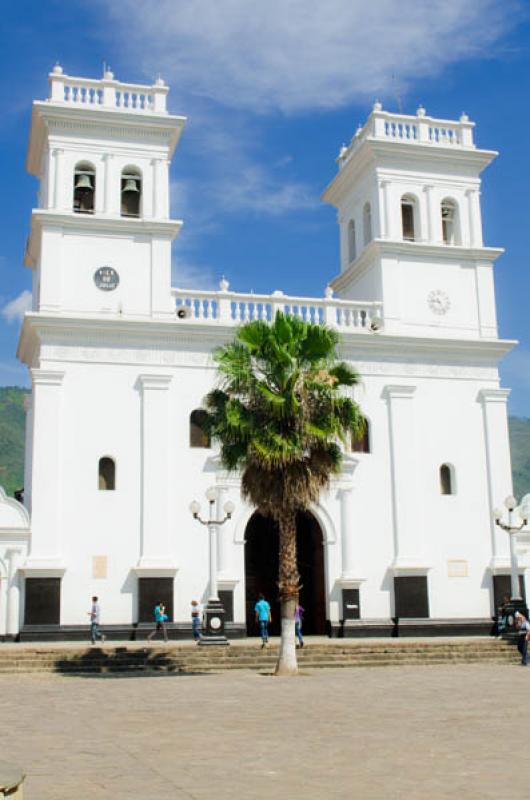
409	129
107	93
233	308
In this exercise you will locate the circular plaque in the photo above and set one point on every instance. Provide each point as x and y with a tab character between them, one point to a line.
215	623
438	301
106	279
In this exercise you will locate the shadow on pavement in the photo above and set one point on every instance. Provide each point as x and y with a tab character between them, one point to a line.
122	662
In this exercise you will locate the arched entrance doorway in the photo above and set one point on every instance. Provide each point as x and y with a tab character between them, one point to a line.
261	571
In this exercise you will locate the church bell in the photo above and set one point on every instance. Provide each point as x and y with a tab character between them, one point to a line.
83	182
130	185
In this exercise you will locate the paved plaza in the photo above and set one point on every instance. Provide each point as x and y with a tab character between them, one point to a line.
369	733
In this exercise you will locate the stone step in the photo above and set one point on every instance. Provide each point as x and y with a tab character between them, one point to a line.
136	669
225	655
237	652
188	659
191	665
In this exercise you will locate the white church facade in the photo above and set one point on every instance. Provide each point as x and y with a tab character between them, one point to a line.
404	542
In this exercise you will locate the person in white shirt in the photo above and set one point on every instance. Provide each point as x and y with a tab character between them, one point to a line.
94	615
523	626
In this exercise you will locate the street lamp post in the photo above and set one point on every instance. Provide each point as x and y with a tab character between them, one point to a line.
215	613
512	529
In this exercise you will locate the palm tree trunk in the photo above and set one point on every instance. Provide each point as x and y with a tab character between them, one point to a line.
289	585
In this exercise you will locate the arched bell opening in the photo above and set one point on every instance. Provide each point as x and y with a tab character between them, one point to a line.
131	192
261	572
84	188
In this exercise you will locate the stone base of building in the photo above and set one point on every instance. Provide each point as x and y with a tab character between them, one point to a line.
445	627
381	628
131	633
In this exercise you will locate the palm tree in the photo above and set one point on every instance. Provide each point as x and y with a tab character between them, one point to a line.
279	416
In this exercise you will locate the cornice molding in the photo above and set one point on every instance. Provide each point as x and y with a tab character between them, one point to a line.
156	382
396	248
47	377
493	396
118	334
103	222
395	391
108	123
405	153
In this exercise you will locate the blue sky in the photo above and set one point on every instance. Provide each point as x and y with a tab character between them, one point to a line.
271	91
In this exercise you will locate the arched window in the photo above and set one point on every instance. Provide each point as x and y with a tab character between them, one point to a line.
361	442
408	218
446	480
84	188
107	474
352	244
450	232
131	192
199	436
367	224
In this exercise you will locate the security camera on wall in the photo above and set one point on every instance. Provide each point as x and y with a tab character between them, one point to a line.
184	312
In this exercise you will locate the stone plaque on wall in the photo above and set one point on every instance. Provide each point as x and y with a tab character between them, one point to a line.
457	569
99	566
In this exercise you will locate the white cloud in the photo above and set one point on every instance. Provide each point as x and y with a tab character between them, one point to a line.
14	310
189	275
291	55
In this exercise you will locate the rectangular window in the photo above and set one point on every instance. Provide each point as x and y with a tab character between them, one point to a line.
43	601
351	608
407	216
226	596
411	597
502	586
150	592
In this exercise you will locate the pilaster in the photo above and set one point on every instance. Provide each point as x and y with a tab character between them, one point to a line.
403	465
46	464
154	539
498	463
13	596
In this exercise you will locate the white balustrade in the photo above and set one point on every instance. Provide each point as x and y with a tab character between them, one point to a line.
233	308
107	93
411	129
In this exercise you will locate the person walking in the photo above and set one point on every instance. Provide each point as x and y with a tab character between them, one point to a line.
523	626
298	614
263	618
196	620
94	615
503	615
160	621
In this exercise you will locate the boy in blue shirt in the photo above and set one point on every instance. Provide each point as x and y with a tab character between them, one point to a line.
160	620
263	617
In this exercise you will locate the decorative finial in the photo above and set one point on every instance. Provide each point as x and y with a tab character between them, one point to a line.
57	70
159	81
223	284
328	293
421	111
377	106
343	150
277	293
464	117
108	74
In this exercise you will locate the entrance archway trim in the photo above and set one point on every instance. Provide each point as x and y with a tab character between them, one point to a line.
319	512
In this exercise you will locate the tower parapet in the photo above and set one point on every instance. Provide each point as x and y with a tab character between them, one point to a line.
410	129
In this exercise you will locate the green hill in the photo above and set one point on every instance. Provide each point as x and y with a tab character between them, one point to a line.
12	425
12	422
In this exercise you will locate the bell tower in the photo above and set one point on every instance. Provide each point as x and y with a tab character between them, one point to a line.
408	200
101	236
